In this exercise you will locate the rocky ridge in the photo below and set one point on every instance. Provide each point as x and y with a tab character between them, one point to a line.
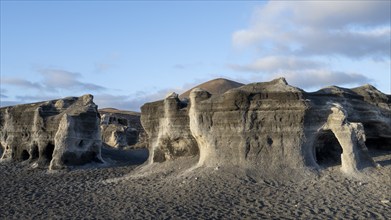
271	127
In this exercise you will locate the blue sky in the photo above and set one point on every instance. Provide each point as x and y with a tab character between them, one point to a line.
128	53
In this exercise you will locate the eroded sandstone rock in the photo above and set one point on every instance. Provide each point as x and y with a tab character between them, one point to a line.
272	127
57	133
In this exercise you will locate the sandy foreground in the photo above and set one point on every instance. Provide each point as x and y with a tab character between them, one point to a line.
122	190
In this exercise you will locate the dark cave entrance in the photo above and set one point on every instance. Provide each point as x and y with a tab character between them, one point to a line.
48	152
34	152
25	155
2	150
327	149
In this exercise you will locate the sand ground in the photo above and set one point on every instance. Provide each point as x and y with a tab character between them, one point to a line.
123	190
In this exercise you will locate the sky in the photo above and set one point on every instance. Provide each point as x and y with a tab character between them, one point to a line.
127	53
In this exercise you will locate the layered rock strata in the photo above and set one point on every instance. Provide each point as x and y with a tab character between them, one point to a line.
271	126
167	126
57	133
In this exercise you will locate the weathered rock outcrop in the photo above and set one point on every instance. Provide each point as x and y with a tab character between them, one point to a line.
57	133
122	129
272	127
168	131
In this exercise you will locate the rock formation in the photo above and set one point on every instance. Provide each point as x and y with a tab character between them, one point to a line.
121	129
271	126
57	133
168	131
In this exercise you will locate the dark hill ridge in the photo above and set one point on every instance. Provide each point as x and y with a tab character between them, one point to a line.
215	87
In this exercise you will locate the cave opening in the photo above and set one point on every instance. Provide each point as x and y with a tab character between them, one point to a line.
48	152
2	150
327	149
34	152
25	155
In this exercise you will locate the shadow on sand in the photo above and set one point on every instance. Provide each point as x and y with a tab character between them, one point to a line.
382	157
119	157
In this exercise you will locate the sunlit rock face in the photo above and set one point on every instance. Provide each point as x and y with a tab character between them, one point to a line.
54	134
271	127
253	125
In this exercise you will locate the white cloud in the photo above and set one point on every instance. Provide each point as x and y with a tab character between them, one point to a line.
3	93
136	100
62	79
276	63
315	79
131	102
21	83
303	38
339	14
53	85
323	28
53	80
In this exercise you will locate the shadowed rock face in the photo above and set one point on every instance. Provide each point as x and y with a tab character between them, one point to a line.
57	133
271	126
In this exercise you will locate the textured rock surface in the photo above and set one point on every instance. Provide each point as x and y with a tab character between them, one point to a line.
273	127
57	133
167	126
121	129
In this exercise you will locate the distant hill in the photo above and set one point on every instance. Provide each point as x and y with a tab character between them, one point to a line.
215	86
114	110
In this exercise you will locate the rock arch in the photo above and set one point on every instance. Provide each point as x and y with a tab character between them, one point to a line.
351	137
25	155
270	127
327	149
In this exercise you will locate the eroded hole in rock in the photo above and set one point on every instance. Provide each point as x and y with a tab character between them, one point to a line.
2	149
48	152
269	141
327	149
34	152
25	155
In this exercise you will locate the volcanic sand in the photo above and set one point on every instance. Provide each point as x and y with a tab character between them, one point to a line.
121	189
